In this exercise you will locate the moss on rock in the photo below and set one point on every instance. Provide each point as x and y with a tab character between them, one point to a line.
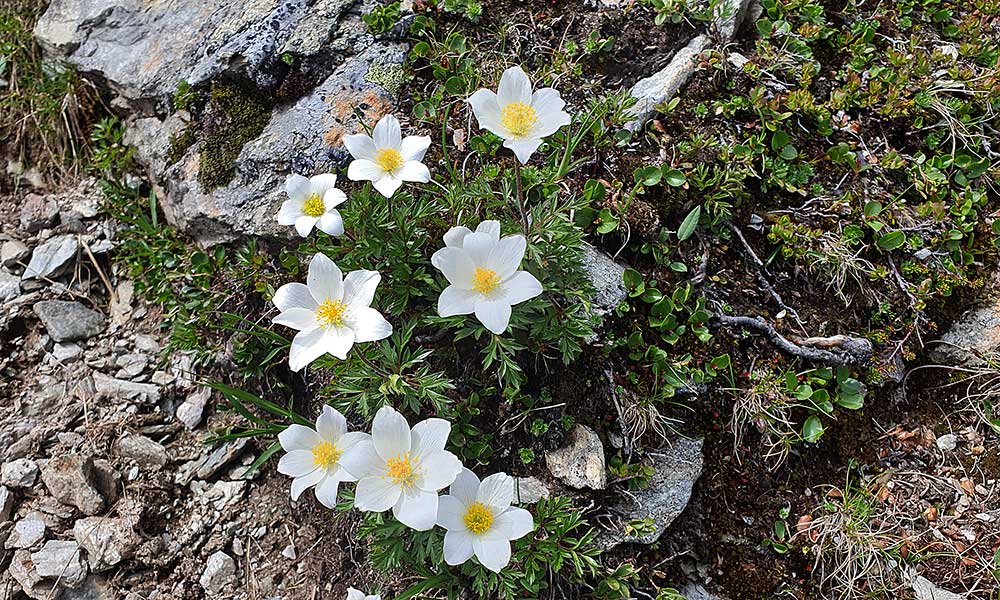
388	75
236	115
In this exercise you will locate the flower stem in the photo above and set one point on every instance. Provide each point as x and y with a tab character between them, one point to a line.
360	354
520	196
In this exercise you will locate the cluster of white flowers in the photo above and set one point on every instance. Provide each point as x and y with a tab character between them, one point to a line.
397	467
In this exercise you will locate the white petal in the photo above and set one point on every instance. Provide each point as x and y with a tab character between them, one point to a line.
390	433
480	248
324	280
439	470
301	484
369	325
294	295
297	463
360	146
319	184
427	436
457	547
456	301
413	171
304	225
360	459
451	513
333	198
547	101
297	187
456	235
387	185
465	487
386	133
522	286
417	509
514	87
495	315
497	492
487	110
549	123
363	169
514	523
506	255
376	494
353	594
338	341
290	211
523	148
301	319
414	147
331	223
494	554
491	228
298	437
457	266
330	424
326	492
307	346
359	287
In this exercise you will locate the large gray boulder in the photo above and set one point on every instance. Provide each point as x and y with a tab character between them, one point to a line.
298	73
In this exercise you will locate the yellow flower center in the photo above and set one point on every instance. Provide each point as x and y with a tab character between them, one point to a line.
519	118
331	313
400	470
313	206
478	518
325	455
485	281
389	159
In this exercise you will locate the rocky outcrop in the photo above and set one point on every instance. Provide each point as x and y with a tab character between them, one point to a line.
220	169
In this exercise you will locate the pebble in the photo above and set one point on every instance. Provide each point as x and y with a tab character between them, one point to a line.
69	321
61	560
27	533
37	213
67	352
108	541
73	479
20	473
580	461
50	257
6	503
219	570
10	286
13	252
147	453
192	410
947	442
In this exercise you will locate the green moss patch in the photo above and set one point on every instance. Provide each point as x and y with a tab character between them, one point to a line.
236	114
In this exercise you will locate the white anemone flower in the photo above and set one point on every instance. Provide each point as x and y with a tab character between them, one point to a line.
483	272
403	469
353	594
312	203
387	159
480	520
313	457
330	311
520	117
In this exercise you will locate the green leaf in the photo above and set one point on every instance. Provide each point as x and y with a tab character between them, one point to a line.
689	224
674	177
892	240
812	429
632	279
648	176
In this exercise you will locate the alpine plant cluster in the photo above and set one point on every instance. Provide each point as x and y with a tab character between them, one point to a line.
395	466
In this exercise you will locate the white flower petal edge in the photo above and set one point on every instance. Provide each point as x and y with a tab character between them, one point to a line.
353	594
402	468
386	159
517	115
480	521
312	203
312	456
482	270
330	312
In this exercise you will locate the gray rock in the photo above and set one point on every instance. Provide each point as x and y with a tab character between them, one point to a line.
924	589
529	490
131	365
49	258
27	533
947	442
38	212
13	252
660	87
974	335
20	473
219	570
606	276
118	389
94	588
213	462
22	570
146	343
677	468
147	453
694	591
108	541
60	560
67	353
10	286
191	411
6	503
579	462
69	321
73	479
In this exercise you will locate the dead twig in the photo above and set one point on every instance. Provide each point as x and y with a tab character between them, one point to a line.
839	350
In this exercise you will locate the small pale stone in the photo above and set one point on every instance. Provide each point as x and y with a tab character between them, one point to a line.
108	541
27	533
13	252
50	257
37	213
61	560
20	473
6	503
67	352
289	552
72	479
947	442
10	286
69	321
192	410
580	461
529	490
219	570
145	452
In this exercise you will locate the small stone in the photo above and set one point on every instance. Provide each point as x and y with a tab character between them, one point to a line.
144	451
131	365
22	570
6	503
289	552
146	343
13	253
72	480
219	570
20	473
191	411
67	353
37	213
10	286
49	258
27	533
580	462
60	560
924	589
947	442
606	276
69	321
118	389
108	541
161	378
529	490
